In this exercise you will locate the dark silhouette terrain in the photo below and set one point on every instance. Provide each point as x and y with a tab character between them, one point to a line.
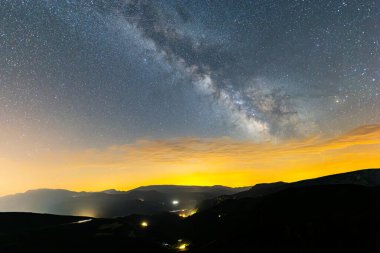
338	213
111	203
369	177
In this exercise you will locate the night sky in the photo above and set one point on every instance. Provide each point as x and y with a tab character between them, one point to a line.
94	76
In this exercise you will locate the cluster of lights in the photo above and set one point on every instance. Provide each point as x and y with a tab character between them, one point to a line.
181	246
187	213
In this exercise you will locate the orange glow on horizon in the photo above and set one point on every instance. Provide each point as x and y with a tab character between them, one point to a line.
86	213
192	161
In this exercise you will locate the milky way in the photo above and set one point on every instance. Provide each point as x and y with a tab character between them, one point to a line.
96	73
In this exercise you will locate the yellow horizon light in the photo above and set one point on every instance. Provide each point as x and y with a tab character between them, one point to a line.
191	161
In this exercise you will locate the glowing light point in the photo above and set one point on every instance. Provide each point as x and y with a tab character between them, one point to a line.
144	224
175	202
183	246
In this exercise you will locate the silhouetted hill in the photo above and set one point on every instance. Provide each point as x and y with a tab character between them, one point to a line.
368	177
12	222
39	201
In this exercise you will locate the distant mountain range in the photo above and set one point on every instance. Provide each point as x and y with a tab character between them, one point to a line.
111	203
338	213
155	199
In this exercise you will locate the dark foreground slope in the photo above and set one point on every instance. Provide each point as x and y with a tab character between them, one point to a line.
24	232
316	217
332	218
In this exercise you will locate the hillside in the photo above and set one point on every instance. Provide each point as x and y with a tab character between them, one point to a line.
330	214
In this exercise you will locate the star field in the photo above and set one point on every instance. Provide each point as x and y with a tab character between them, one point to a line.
97	73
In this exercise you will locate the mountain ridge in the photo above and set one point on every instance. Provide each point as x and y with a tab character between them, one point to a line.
153	199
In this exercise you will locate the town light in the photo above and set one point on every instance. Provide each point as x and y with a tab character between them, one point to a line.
183	246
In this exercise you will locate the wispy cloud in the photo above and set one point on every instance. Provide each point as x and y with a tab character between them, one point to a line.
182	149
